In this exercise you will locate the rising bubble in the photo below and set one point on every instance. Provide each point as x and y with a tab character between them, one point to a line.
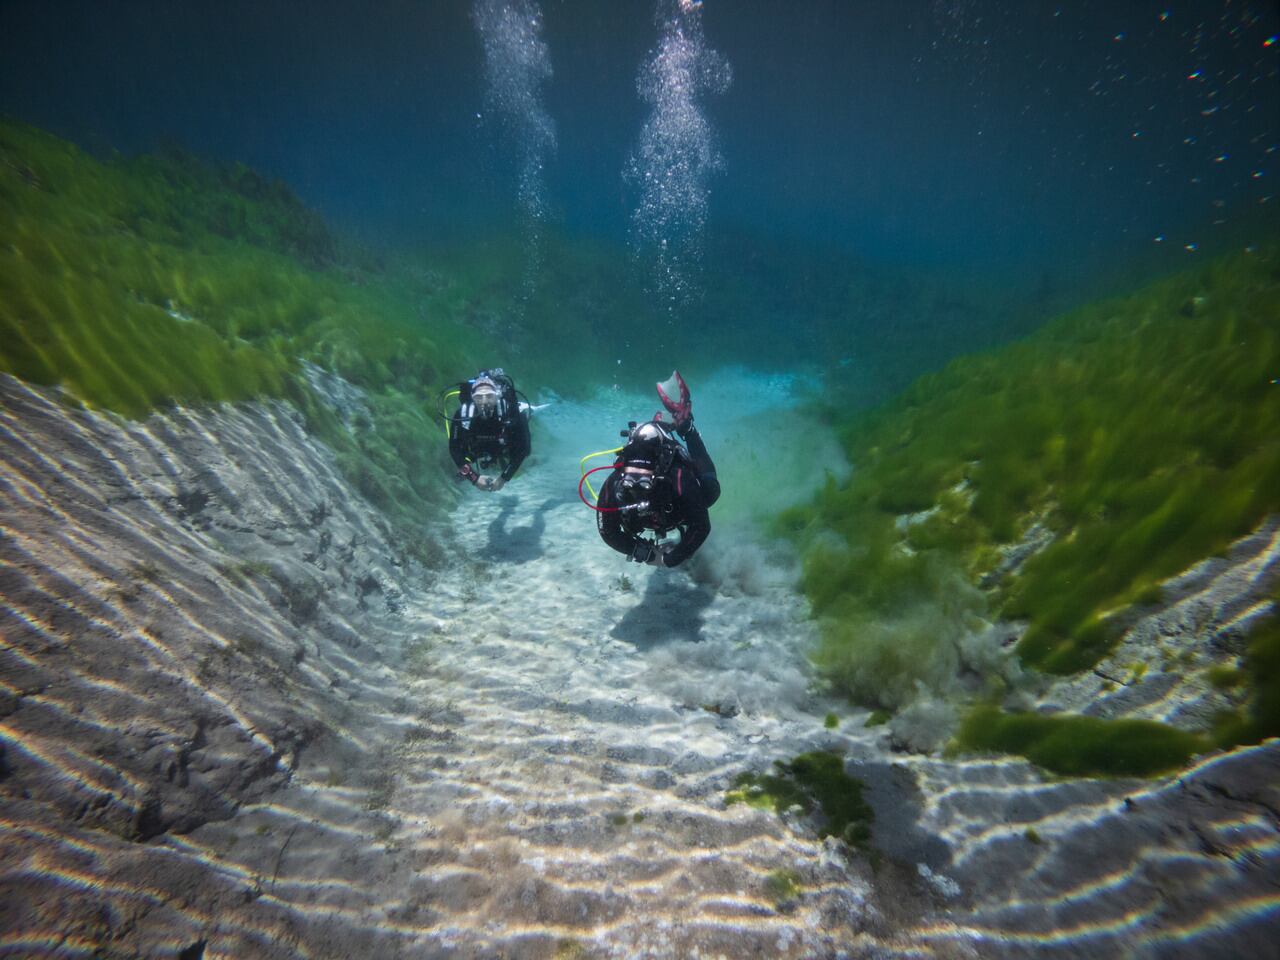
516	66
672	164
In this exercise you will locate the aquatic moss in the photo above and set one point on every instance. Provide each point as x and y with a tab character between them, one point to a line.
1080	746
782	886
112	350
884	640
1141	435
138	283
1224	677
115	286
1260	717
815	783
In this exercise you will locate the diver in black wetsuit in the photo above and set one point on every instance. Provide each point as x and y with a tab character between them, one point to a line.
660	485
489	432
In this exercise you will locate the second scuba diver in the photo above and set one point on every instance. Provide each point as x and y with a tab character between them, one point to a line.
489	432
659	485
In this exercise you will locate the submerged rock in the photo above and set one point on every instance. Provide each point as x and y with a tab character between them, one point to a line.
160	677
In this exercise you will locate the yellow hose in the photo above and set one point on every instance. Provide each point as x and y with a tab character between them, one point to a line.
582	465
444	414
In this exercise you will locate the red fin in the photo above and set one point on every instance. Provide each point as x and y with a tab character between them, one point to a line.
680	409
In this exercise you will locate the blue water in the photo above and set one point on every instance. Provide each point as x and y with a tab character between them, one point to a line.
983	136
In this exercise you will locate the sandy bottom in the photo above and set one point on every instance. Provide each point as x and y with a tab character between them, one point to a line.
524	753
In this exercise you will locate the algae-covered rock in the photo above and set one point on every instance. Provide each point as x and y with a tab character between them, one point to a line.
1041	494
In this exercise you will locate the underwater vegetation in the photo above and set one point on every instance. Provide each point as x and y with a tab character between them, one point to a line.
814	783
1081	746
1055	482
782	887
137	283
1260	717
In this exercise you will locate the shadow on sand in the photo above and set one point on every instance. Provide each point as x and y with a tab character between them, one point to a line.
671	610
518	544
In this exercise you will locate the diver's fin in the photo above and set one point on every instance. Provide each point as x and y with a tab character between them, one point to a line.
682	409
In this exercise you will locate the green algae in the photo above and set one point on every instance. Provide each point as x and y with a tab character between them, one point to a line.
135	284
898	624
782	886
814	783
1224	677
1140	434
1080	746
123	283
1259	718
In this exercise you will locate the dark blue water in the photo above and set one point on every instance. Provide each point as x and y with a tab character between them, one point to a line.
1001	138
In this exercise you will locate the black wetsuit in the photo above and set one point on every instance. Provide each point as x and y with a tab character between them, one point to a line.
484	441
684	496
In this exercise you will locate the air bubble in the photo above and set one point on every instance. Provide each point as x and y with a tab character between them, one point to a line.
675	157
516	65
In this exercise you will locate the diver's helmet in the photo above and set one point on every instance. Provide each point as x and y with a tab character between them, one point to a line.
645	445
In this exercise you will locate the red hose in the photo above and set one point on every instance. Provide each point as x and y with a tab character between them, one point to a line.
611	466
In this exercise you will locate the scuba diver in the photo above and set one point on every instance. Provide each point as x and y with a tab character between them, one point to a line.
659	485
489	432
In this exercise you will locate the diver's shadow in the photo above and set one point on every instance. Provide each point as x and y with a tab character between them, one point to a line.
518	544
671	610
